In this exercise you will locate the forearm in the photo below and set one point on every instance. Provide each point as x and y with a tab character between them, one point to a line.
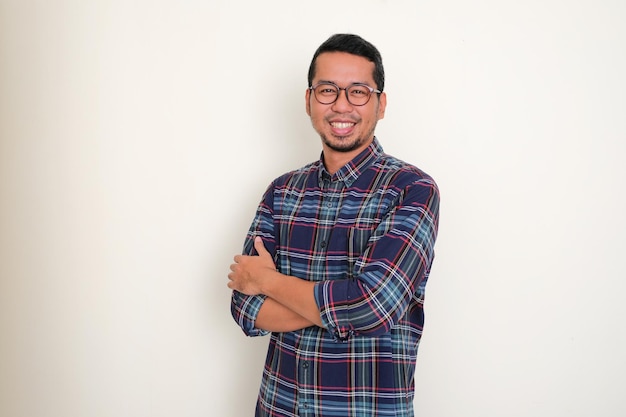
295	294
253	275
275	317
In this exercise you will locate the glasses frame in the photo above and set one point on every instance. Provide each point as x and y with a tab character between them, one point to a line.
371	90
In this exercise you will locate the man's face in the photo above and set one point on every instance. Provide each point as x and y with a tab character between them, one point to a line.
342	126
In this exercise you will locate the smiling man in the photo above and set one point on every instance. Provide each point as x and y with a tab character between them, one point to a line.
336	260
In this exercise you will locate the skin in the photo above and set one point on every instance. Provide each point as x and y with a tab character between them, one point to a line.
345	131
341	145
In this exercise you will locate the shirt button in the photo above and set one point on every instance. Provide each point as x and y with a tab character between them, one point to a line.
329	205
323	244
305	364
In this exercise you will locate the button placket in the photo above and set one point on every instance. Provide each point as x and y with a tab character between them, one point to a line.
304	401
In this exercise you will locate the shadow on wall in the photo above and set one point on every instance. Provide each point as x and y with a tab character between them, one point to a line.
236	361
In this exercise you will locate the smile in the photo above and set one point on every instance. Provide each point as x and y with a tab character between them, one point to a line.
342	125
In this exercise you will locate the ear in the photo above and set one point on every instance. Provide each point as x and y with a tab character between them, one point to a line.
307	98
382	105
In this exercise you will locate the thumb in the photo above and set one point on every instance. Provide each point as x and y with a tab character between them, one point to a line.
260	247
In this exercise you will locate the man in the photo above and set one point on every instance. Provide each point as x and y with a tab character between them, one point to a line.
336	260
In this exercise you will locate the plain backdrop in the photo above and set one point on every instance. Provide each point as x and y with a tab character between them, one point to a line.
137	137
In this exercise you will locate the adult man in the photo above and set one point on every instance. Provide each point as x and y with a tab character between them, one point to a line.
336	260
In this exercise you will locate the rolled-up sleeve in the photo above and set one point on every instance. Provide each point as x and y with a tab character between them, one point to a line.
391	270
245	308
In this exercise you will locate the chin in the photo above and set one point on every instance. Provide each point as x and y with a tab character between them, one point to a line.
341	143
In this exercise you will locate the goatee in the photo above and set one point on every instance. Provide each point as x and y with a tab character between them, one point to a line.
342	145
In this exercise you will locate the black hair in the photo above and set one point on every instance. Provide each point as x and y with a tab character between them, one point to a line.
355	45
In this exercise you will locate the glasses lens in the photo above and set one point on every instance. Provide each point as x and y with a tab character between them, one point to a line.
326	93
358	95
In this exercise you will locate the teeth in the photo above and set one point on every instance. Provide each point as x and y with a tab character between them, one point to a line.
342	125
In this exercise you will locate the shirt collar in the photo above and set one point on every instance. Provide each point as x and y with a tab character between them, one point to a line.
353	169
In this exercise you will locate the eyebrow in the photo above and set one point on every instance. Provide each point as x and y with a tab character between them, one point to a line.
352	83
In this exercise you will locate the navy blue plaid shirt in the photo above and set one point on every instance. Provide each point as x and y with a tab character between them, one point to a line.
366	235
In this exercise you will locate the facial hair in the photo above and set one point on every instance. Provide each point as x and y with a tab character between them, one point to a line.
344	145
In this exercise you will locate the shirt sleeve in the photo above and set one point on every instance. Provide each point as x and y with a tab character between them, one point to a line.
391	270
245	308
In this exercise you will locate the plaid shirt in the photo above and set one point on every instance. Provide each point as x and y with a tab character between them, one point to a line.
366	235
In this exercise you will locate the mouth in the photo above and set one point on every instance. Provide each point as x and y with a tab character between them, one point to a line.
342	128
342	125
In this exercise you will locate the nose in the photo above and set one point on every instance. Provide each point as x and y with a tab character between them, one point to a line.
342	105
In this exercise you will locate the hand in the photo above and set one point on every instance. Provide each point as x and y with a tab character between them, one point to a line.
248	272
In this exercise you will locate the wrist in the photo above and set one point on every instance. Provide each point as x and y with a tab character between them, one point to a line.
267	282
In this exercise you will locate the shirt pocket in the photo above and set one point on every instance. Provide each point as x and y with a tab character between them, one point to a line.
357	239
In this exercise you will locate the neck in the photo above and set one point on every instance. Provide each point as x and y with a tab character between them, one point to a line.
334	158
334	161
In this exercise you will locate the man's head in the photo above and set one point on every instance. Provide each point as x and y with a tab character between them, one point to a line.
355	45
345	98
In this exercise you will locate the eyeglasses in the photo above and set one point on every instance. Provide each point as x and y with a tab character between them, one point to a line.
357	94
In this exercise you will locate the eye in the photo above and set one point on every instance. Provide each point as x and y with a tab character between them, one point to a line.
326	90
359	91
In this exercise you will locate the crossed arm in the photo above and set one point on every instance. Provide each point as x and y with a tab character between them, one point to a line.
290	303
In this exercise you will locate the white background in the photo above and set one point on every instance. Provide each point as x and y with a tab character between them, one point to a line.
138	136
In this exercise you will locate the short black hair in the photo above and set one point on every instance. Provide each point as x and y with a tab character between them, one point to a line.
355	45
